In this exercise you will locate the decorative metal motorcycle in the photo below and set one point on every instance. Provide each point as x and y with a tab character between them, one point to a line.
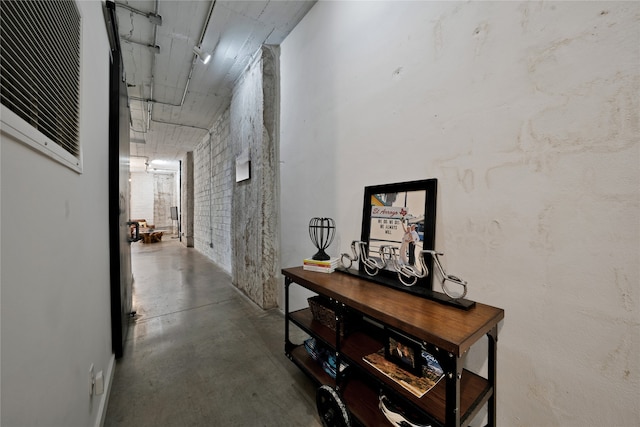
447	277
359	250
407	274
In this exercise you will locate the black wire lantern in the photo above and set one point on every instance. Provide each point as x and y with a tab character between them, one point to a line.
321	232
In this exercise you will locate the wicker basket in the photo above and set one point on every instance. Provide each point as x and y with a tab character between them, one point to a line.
324	314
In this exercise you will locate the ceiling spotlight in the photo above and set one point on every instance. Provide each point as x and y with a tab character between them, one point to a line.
203	55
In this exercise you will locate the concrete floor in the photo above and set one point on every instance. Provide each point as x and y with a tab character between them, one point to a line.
200	353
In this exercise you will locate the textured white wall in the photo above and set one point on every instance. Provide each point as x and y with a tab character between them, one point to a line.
254	201
527	114
55	312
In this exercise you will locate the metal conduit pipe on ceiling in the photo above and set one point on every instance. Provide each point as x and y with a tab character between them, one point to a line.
179	124
154	18
151	101
157	20
153	67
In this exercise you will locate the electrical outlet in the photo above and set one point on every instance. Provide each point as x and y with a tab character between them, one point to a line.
92	379
99	384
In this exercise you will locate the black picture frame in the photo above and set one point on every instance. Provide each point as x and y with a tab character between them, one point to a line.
404	352
418	198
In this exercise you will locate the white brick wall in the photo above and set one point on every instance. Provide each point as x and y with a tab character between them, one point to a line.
213	181
235	223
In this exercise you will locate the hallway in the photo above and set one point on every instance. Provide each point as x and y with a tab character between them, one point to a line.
201	354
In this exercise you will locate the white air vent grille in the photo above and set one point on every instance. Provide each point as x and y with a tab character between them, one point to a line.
40	72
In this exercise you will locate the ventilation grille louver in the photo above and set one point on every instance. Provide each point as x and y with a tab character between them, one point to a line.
40	67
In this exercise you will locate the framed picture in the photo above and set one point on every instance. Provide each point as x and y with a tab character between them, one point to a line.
398	225
393	211
243	166
404	352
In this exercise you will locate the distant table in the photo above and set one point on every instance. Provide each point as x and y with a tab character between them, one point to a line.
150	236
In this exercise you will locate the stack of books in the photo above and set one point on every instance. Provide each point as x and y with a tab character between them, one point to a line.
327	266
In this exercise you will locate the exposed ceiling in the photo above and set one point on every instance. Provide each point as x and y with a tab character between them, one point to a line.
175	97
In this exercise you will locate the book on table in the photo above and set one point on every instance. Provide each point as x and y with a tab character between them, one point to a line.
327	266
333	262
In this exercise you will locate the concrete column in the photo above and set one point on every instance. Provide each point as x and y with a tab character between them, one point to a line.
254	129
187	204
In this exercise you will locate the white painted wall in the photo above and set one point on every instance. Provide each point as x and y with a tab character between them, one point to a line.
527	114
152	195
142	196
55	263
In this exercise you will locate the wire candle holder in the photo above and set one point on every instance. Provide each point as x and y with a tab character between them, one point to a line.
321	232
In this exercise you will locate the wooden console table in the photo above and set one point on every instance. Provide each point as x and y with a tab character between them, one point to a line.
446	332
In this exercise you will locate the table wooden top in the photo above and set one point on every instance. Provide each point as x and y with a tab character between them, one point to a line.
449	328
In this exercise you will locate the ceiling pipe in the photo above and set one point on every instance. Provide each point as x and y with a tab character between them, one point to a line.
136	130
193	62
153	48
195	57
206	24
153	17
179	124
150	101
153	67
187	126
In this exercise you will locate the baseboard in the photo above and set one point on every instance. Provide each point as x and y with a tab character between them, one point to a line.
104	401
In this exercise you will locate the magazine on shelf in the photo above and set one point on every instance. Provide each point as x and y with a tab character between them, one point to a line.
432	373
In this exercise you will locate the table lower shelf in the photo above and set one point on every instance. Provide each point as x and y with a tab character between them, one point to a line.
361	399
361	396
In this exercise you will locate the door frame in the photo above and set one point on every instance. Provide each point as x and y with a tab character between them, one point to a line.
121	283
